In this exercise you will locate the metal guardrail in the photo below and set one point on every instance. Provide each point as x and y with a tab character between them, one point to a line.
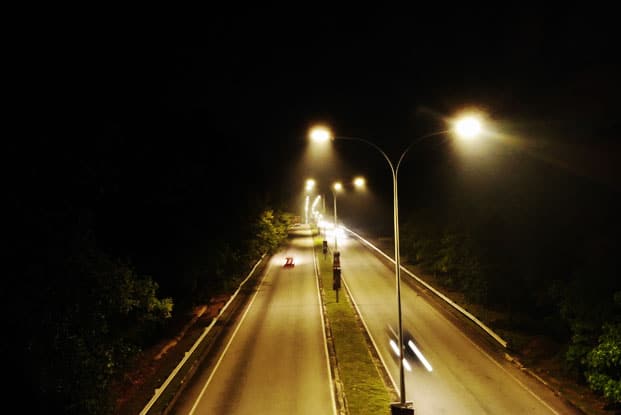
159	391
478	322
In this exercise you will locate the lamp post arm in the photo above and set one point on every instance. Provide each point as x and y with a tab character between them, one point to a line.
419	139
392	169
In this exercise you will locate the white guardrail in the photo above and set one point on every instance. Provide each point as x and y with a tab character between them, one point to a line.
188	354
478	322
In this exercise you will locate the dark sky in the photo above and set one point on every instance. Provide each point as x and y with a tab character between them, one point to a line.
230	104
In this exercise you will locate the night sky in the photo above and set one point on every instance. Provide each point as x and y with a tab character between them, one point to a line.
128	125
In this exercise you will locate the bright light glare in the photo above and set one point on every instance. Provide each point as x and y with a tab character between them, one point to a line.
338	186
359	182
341	236
468	127
395	349
420	355
320	134
325	224
310	184
328	228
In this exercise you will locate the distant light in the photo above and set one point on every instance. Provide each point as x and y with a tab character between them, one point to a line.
338	186
310	184
468	127
320	134
359	182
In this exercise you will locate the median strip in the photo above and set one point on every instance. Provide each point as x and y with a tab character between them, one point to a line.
360	379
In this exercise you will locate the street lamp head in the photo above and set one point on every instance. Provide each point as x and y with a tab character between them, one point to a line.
337	186
320	134
468	126
359	182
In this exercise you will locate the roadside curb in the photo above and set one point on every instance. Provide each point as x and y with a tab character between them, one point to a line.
515	361
341	400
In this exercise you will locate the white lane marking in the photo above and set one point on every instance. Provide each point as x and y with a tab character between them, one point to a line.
228	344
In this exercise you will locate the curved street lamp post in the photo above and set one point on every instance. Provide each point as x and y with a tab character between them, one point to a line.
336	187
468	127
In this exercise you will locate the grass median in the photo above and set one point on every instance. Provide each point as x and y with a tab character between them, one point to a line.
363	387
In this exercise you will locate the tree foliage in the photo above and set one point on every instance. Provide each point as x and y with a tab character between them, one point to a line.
603	363
448	251
543	237
560	284
270	230
90	314
86	314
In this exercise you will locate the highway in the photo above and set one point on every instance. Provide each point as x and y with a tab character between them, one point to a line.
461	370
275	361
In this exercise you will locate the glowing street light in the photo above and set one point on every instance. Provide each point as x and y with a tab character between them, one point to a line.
314	205
309	186
467	127
320	134
360	182
336	187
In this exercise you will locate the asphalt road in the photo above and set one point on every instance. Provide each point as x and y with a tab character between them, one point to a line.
275	361
467	373
275	358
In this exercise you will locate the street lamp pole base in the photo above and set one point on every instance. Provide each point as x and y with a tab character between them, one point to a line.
399	408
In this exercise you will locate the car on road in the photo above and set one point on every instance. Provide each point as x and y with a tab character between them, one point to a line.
289	262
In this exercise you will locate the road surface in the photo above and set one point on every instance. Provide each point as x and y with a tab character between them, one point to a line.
466	373
275	361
